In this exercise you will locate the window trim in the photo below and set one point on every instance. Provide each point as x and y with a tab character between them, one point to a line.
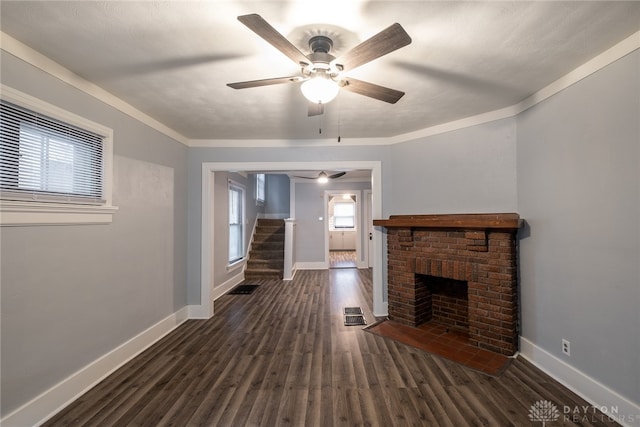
261	201
243	192
24	213
339	228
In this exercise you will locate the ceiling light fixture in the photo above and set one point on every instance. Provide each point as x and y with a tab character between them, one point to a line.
320	89
323	178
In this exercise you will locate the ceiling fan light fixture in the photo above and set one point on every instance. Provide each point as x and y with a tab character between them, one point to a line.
323	178
320	89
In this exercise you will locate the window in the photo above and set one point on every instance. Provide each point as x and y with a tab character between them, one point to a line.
260	188
236	221
344	214
52	170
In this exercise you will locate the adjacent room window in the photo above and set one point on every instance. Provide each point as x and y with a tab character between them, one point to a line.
344	214
44	159
236	222
55	166
260	188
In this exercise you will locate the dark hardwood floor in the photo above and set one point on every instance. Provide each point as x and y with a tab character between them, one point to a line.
282	356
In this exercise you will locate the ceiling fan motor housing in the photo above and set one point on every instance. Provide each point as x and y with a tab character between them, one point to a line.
320	57
321	44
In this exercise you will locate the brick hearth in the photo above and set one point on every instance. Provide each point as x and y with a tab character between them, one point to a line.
478	250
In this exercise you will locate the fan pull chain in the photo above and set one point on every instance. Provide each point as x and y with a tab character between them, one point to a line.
320	119
339	118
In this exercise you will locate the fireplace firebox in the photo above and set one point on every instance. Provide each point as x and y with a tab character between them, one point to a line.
460	270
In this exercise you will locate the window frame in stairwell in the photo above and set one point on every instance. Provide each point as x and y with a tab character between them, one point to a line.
239	188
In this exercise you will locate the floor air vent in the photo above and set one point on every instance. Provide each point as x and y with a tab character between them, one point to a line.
353	316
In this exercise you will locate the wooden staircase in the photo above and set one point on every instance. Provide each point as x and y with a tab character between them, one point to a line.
266	257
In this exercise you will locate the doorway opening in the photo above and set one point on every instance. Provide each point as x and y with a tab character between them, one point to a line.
344	227
208	290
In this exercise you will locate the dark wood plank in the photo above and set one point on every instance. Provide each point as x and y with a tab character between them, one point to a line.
282	356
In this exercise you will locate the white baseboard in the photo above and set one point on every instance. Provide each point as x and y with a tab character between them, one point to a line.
225	287
199	312
47	404
627	413
321	265
290	276
384	310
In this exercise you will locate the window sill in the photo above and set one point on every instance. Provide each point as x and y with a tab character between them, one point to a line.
14	213
236	265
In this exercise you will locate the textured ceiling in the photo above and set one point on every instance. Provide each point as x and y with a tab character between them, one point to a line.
172	60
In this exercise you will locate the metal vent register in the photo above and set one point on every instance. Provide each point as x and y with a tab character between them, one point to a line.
353	316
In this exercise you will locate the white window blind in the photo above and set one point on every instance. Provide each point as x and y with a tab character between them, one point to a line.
47	160
344	215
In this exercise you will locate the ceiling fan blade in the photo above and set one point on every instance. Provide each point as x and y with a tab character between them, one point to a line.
337	175
264	82
372	90
315	109
262	28
386	41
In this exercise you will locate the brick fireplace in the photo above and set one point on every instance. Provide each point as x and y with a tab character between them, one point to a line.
459	270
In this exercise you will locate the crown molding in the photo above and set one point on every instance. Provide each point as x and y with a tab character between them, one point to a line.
38	60
618	51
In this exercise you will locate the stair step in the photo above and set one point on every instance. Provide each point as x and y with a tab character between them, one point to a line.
263	237
263	273
271	222
271	263
267	246
266	258
266	254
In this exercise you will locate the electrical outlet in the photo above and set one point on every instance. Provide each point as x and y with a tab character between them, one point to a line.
566	347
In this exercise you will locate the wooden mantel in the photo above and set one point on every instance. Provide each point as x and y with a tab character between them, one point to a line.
494	221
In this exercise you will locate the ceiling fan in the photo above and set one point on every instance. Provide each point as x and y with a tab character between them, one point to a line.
321	72
323	177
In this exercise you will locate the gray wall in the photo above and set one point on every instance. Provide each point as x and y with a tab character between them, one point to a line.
579	190
309	206
221	217
467	170
277	189
70	294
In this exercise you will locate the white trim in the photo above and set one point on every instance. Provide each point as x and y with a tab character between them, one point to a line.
599	62
207	182
285	143
47	404
589	389
38	60
16	213
383	310
289	264
229	284
22	213
320	265
206	249
245	248
27	54
368	227
358	220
